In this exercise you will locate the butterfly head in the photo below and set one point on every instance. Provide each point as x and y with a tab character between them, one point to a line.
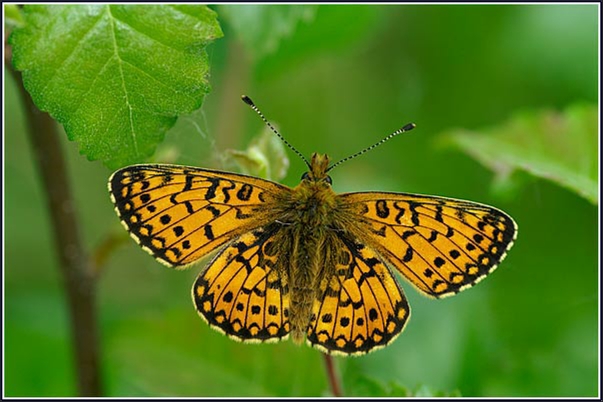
319	165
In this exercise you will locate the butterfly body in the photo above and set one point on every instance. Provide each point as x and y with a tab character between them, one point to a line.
307	213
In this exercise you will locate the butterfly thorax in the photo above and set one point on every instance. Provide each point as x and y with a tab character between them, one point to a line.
313	201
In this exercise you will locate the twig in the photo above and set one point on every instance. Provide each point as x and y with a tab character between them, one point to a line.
78	279
332	375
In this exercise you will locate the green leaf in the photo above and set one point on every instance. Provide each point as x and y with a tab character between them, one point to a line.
115	76
560	147
265	157
262	28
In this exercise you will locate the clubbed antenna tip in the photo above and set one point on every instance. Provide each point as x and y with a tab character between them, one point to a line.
247	100
407	127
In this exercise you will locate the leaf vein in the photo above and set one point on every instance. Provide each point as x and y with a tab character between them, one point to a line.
123	81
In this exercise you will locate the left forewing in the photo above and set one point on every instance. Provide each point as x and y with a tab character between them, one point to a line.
181	213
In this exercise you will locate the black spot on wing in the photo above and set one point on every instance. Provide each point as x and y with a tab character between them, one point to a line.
414	214
209	234
189	183
438	215
244	193
400	213
211	190
382	209
214	211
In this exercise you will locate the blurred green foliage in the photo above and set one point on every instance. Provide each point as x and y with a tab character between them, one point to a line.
341	78
558	146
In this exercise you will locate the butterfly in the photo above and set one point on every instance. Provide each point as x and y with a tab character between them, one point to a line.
305	261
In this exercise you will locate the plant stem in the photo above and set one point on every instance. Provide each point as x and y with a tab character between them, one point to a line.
332	375
79	282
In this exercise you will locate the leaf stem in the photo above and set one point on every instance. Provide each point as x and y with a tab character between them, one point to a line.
332	375
79	281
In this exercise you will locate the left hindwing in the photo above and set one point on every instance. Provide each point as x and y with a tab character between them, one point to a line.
180	213
244	291
440	245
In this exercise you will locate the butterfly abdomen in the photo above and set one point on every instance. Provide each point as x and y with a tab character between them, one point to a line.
306	271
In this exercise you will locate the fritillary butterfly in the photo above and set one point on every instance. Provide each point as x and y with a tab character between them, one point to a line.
306	261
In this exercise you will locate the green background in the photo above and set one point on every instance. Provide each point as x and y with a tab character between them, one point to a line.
342	78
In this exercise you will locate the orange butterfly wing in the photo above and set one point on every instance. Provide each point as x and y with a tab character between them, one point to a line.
242	293
441	245
179	213
360	306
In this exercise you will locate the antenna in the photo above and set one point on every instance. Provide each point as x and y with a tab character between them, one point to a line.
404	129
248	101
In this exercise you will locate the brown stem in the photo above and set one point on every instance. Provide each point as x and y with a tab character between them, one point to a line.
78	279
332	375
